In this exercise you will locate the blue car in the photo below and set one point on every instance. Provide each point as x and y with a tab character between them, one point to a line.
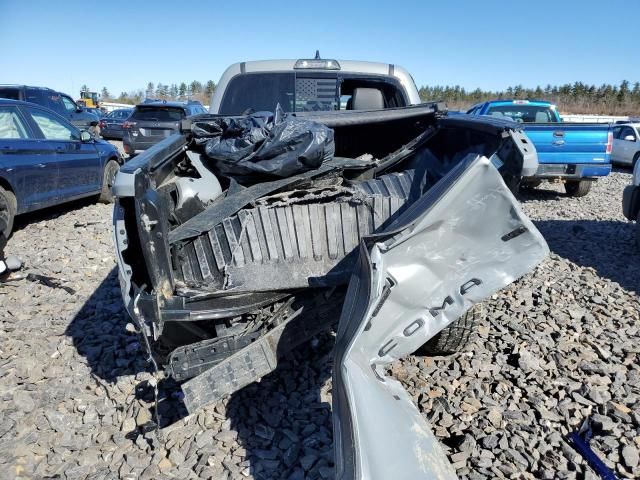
45	161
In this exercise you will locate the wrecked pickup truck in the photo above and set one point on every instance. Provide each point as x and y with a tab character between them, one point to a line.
237	238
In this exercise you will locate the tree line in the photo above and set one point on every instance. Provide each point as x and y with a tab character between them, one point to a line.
578	97
194	90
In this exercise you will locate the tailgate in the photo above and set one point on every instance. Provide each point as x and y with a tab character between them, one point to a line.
465	239
564	143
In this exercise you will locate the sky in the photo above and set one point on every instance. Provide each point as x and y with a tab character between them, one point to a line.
488	44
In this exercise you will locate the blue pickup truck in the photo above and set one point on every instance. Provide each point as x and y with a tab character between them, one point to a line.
572	153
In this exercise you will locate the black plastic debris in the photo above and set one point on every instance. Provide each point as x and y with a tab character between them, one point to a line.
264	144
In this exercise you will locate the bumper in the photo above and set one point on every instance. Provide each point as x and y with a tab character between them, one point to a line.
631	201
572	171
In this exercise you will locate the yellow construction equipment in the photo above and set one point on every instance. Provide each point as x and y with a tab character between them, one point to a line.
88	99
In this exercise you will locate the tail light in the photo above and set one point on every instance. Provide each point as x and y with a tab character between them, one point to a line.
609	142
101	124
127	125
126	148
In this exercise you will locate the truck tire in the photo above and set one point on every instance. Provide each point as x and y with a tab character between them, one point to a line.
8	208
577	188
454	337
108	177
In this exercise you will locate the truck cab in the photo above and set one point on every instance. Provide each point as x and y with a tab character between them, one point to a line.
574	154
317	84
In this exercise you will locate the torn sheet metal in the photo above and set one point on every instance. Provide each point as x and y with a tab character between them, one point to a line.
448	251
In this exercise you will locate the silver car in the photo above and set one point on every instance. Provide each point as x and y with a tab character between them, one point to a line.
626	144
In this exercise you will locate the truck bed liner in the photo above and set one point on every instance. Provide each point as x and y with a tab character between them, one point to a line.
293	241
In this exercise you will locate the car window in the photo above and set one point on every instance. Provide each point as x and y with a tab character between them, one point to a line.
52	128
11	127
158	114
54	102
258	91
316	94
36	95
626	131
524	113
69	105
11	93
616	132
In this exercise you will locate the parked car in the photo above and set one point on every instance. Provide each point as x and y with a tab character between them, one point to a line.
154	121
111	123
96	111
573	153
631	200
626	144
61	103
45	161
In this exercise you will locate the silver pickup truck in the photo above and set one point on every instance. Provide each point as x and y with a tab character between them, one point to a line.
396	220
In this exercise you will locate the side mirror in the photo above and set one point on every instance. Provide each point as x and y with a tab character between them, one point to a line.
630	138
85	136
79	109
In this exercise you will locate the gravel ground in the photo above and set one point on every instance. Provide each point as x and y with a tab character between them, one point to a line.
559	346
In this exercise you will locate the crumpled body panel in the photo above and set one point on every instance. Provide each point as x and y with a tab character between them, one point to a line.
465	239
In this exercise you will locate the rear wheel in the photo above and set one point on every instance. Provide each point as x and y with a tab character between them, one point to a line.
8	207
577	189
455	336
108	177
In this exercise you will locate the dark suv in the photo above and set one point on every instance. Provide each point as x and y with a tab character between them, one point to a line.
152	122
61	103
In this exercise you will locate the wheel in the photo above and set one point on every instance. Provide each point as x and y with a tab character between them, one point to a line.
577	189
108	177
8	208
454	337
635	160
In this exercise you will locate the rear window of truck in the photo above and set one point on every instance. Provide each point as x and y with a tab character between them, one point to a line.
158	114
303	91
524	113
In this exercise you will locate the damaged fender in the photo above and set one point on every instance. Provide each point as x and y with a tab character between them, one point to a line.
462	241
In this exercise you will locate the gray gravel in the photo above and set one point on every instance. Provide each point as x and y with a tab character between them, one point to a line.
559	346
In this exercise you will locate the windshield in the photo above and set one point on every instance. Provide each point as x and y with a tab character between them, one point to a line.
525	113
158	114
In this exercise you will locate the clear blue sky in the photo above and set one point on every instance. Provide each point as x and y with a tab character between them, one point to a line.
487	43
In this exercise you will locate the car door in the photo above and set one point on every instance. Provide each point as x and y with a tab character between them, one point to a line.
73	113
78	163
617	146
462	241
27	162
